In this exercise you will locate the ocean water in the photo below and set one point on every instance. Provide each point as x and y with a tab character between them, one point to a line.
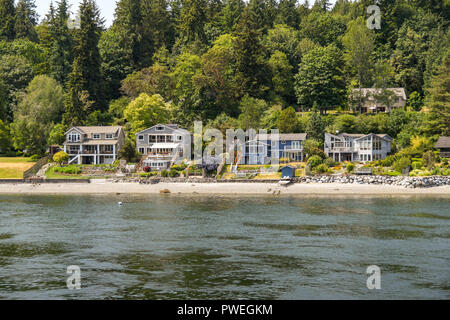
224	247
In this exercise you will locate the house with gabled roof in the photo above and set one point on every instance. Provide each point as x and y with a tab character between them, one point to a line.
370	104
94	145
357	147
162	145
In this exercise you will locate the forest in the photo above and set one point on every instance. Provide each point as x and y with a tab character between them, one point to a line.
258	64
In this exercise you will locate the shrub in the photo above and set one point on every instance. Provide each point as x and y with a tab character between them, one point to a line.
322	168
147	169
350	167
330	162
389	161
164	173
72	169
35	157
445	162
436	172
401	164
417	165
61	157
314	161
393	173
429	159
173	173
179	167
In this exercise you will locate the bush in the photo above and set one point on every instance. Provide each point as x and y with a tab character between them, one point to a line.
164	173
389	161
445	162
401	164
180	167
330	162
322	168
72	169
417	165
314	161
350	167
61	157
173	173
35	157
429	159
147	169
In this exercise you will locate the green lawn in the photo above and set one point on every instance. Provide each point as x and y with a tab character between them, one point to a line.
15	160
51	174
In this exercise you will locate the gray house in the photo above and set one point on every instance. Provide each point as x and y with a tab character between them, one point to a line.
357	147
162	145
370	103
94	145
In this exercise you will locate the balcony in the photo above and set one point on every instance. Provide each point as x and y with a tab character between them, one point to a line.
293	148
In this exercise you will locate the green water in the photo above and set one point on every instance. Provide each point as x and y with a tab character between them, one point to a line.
180	247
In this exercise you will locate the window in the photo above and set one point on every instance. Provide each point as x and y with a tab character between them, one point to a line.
141	138
74	137
296	145
159	128
96	136
109	148
179	138
152	139
109	136
283	142
141	150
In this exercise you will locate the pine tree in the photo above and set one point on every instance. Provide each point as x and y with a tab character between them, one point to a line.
439	99
87	56
25	20
251	68
62	48
7	18
192	20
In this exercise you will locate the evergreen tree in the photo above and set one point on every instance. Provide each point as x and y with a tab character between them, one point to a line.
192	20
251	68
62	49
7	18
439	99
87	56
26	19
315	127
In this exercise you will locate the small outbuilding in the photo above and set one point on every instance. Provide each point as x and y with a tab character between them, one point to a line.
288	172
443	145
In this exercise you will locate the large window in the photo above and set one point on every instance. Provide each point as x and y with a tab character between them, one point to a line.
376	145
109	136
74	137
96	136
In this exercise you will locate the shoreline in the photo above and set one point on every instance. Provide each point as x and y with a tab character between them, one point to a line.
102	188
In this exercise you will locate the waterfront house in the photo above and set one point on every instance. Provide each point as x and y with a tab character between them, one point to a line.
357	147
443	145
370	103
94	145
289	146
162	145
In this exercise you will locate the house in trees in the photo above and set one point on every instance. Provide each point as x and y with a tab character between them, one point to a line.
94	145
374	100
443	145
162	145
357	147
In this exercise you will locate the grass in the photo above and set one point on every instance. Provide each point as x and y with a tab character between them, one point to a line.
13	168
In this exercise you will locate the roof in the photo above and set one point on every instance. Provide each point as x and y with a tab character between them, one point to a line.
362	135
399	92
284	136
98	129
174	127
443	142
92	142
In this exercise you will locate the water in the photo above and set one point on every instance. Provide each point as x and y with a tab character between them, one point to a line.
180	247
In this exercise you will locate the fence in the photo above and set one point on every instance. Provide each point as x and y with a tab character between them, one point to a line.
35	169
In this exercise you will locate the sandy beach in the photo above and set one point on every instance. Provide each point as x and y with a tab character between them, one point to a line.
102	187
